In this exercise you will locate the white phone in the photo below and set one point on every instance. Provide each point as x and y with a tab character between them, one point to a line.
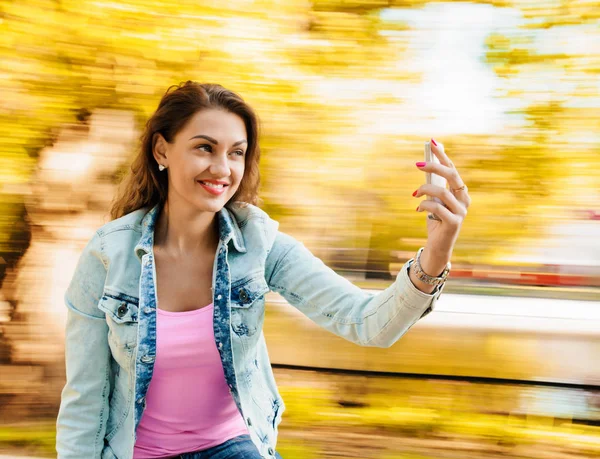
434	179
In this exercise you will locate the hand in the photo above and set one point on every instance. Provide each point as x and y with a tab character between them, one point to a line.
441	235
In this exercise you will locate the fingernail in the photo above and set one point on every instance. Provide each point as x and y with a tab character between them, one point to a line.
433	142
421	164
417	208
415	193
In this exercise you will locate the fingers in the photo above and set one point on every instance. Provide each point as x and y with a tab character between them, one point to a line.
438	150
450	201
450	173
464	197
442	212
453	206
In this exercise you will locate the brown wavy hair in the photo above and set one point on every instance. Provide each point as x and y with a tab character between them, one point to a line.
144	185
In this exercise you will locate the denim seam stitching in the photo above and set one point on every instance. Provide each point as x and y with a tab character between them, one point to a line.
101	426
108	292
398	311
263	222
113	432
124	227
274	270
103	258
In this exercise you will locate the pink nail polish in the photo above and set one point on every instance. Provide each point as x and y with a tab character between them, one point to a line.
421	164
433	142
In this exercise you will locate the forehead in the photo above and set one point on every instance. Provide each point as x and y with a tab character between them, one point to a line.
221	125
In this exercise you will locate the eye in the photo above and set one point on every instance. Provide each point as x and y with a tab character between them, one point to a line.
238	152
205	147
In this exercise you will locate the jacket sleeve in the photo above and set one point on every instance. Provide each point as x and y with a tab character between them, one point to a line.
334	303
81	422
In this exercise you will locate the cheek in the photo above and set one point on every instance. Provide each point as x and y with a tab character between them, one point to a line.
184	176
237	171
192	168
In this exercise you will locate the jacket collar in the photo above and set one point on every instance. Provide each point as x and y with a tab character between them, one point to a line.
229	230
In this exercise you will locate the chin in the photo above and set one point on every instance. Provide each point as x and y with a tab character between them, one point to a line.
211	205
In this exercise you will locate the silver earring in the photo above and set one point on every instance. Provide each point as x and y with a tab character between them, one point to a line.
161	167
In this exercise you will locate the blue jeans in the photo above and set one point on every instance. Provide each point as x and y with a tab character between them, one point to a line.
240	447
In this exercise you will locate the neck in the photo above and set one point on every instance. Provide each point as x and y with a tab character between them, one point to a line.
182	230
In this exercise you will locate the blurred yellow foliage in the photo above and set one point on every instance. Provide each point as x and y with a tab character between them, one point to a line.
323	175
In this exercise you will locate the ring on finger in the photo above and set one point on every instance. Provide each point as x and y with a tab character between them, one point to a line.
460	188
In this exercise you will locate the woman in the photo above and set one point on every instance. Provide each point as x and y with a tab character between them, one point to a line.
165	353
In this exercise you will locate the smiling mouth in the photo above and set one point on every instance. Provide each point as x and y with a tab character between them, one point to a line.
214	186
215	189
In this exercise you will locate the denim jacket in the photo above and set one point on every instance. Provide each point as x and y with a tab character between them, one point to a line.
111	324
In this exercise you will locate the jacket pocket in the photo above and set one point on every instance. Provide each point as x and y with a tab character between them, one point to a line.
245	292
121	313
248	305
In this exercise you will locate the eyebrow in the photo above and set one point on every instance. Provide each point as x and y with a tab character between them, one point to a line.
211	140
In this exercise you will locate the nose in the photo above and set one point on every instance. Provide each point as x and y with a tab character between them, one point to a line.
220	166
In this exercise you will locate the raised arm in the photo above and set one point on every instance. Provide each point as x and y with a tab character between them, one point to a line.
81	422
339	306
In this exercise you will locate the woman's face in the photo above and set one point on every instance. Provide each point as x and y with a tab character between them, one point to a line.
206	159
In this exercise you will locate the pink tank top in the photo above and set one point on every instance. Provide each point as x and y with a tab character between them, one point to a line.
188	404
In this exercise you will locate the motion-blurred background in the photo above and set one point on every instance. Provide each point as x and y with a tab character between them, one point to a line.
348	91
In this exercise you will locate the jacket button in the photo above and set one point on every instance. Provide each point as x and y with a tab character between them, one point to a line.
270	451
122	310
243	295
249	421
147	359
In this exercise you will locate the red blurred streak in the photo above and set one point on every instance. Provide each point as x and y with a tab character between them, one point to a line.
526	278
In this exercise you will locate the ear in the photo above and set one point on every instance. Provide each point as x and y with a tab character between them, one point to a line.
159	149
